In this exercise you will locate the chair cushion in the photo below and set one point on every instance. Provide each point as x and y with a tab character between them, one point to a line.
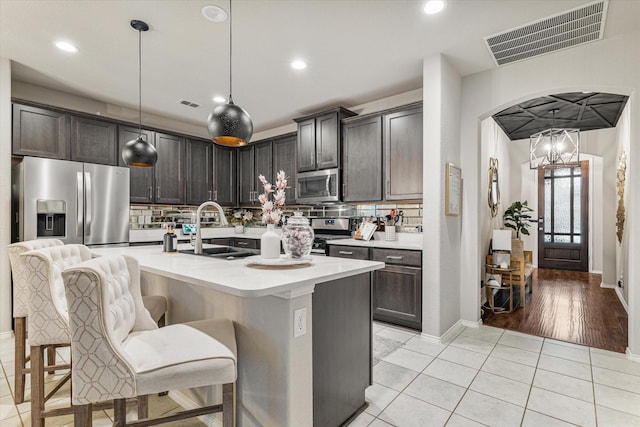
156	305
183	356
528	269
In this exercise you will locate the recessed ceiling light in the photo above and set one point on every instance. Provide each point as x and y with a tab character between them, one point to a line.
214	13
298	64
66	46
219	99
434	6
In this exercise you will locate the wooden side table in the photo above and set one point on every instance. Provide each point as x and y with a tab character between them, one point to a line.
492	269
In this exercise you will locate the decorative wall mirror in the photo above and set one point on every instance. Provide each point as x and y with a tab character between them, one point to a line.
620	214
494	187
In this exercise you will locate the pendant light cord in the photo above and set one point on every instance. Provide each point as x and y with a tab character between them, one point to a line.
230	52
139	83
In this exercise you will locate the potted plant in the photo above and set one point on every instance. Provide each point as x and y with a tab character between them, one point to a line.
517	218
240	218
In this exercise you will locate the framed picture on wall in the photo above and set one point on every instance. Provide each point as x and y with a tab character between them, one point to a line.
453	190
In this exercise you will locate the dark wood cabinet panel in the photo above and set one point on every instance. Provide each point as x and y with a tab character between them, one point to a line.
284	159
93	141
362	160
141	180
306	145
403	154
246	171
40	133
354	252
199	171
241	242
397	295
319	138
342	348
169	169
397	257
224	175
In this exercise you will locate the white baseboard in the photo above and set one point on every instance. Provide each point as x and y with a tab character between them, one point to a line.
621	298
471	324
187	403
607	285
451	333
596	272
631	356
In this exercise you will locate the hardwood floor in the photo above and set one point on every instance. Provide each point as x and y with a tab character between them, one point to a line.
569	306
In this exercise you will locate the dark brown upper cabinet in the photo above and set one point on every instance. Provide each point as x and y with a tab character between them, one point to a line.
141	180
39	132
253	160
224	176
199	171
93	141
362	159
319	137
169	169
402	140
284	159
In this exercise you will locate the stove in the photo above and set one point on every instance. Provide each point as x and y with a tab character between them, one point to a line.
326	229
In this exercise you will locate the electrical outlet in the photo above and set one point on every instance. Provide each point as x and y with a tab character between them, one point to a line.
299	322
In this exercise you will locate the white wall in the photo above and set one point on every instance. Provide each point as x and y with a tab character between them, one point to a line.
623	141
5	195
441	255
606	66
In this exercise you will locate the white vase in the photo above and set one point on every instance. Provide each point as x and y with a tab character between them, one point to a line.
239	229
270	243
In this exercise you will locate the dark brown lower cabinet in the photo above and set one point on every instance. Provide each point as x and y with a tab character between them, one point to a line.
342	348
397	296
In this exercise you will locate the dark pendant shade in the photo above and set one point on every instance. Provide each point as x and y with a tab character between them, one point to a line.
140	153
230	125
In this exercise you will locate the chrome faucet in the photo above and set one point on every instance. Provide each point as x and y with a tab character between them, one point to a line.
223	221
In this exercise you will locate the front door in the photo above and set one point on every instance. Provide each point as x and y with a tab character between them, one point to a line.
563	224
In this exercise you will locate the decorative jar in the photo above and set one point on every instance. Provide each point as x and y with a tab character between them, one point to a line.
297	236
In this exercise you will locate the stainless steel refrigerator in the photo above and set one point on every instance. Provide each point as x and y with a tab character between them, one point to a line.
72	201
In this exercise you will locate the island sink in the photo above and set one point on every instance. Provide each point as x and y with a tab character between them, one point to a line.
225	252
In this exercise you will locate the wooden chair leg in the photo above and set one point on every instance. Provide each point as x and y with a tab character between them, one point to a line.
228	405
20	358
143	406
51	359
82	416
37	386
119	413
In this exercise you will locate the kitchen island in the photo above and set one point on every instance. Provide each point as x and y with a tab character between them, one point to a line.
304	372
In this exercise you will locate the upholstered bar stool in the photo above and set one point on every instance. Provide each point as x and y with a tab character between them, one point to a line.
112	333
21	310
48	318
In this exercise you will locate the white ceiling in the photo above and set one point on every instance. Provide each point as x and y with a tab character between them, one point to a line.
358	50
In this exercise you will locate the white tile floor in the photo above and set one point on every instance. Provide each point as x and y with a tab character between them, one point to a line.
483	377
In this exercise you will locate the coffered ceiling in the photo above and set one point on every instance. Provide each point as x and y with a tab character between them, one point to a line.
578	110
357	50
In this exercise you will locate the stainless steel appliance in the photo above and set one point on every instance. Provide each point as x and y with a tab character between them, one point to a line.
326	229
318	186
71	201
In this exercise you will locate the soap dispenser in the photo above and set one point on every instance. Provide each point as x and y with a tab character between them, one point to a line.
169	241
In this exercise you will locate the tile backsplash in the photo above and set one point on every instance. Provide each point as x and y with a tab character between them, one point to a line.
153	216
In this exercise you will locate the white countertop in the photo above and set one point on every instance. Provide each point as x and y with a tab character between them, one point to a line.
156	234
236	277
411	241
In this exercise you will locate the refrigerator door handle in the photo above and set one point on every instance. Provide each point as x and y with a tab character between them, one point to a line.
88	202
79	203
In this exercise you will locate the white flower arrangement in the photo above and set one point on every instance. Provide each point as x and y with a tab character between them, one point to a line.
242	217
272	209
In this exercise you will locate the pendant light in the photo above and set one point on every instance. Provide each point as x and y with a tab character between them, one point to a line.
139	152
230	124
554	146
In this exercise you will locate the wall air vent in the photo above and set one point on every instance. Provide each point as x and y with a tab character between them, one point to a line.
564	30
189	103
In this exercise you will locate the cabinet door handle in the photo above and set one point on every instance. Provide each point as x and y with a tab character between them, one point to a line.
242	243
210	194
150	193
158	191
394	257
345	252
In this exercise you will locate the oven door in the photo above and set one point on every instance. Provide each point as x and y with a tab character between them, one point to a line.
318	186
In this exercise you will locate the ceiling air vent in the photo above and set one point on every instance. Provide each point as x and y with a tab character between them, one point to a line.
564	30
189	103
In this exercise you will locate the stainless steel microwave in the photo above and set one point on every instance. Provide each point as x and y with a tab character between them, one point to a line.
318	186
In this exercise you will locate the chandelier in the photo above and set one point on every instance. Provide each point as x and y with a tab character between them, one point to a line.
554	146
